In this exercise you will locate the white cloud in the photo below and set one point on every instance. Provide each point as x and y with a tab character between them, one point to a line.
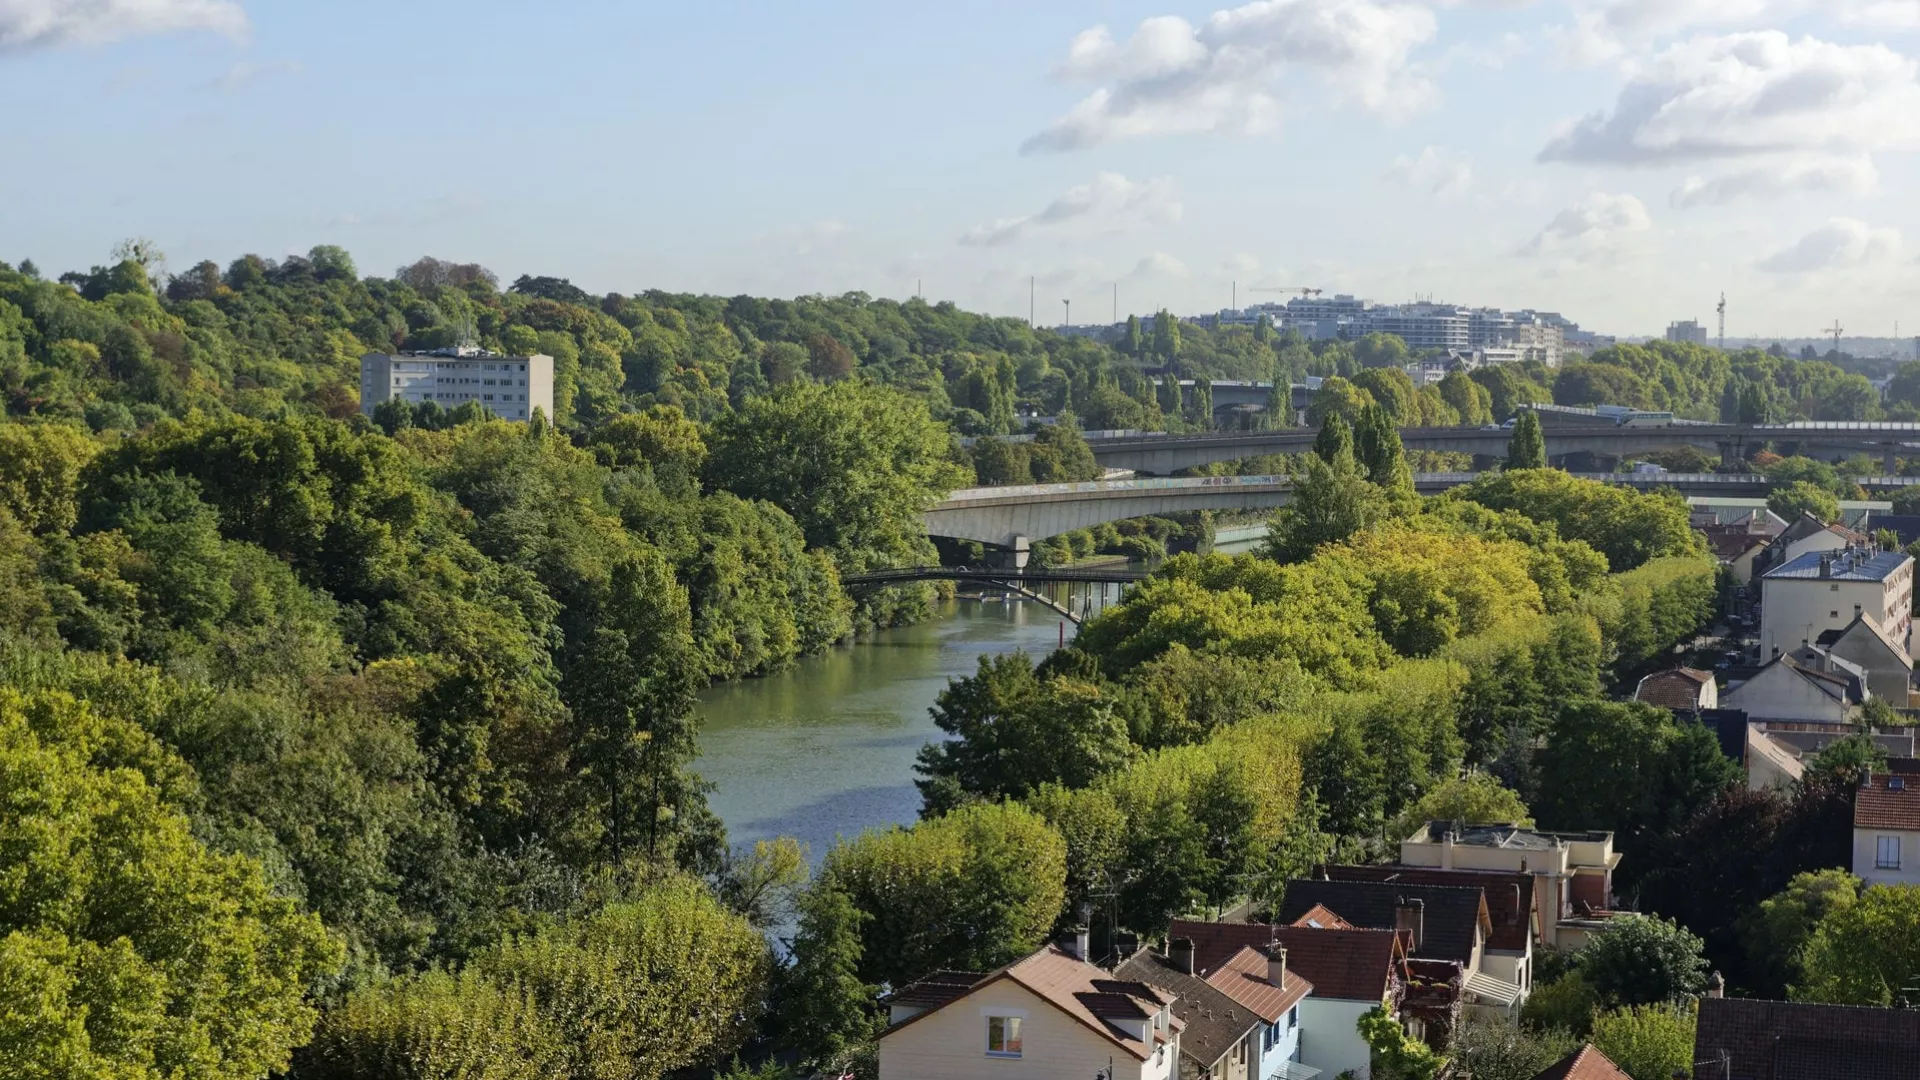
1825	176
1840	244
1171	77
1159	265
1596	228
1241	264
1438	171
1110	201
1608	30
29	24
1751	94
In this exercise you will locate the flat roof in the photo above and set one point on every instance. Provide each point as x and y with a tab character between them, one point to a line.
1842	567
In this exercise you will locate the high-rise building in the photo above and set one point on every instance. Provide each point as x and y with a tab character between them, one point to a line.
510	387
1688	331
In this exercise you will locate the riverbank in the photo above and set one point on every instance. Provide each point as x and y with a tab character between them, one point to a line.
827	747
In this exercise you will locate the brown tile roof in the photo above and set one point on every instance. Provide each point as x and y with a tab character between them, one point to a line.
1878	805
1319	917
1215	1022
1586	1063
1749	1039
1678	688
1084	992
1244	979
936	988
1510	897
1353	965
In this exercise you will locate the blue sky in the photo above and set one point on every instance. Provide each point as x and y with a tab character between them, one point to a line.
1621	161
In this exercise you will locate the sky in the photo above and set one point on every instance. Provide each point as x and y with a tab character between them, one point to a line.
1622	162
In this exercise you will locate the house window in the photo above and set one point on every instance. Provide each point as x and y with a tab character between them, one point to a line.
1003	1036
1293	1018
1886	855
1833	588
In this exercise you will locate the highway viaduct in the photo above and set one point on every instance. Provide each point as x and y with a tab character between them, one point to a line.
1163	455
1013	518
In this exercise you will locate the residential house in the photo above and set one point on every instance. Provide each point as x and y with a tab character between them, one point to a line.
1683	688
1886	829
1825	590
1512	911
1888	666
1352	972
1260	980
1574	869
1586	1063
1752	1039
1048	1015
1807	534
1318	917
1786	689
1448	923
1739	544
1221	1039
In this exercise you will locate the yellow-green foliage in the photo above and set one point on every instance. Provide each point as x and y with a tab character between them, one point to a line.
435	1026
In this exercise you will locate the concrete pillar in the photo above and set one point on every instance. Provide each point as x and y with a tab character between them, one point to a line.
1891	462
1019	553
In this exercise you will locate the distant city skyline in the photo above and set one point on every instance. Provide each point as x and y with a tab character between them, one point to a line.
1621	161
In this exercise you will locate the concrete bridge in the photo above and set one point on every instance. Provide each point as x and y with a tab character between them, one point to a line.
1162	455
1014	517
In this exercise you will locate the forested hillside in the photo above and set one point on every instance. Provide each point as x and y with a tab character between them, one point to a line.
373	737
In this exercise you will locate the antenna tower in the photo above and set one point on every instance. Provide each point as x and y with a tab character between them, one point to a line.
1723	322
1836	331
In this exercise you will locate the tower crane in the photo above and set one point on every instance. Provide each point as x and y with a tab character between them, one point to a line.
1301	289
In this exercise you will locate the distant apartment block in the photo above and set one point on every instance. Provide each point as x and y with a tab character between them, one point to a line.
510	387
1427	327
1688	331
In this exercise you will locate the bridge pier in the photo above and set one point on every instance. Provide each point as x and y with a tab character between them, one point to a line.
1015	556
1891	463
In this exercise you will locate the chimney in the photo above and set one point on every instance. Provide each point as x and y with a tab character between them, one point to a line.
1277	965
1716	985
1082	944
1826	566
1411	915
1180	951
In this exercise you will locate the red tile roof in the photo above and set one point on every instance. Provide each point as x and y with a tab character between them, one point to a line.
1319	917
1586	1063
1244	979
1353	965
1877	805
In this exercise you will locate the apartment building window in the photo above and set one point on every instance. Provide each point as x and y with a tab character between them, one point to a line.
1003	1036
1886	855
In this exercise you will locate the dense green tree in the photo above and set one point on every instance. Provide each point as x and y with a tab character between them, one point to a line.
1627	768
1010	732
826	1011
666	980
435	1025
972	890
1776	932
1493	1047
1647	1042
1528	447
1866	952
855	464
1378	451
1801	497
1335	439
1644	960
129	949
1331	501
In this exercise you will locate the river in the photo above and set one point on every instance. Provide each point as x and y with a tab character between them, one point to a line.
826	748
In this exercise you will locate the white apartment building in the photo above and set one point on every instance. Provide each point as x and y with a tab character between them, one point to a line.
510	387
1826	590
1689	330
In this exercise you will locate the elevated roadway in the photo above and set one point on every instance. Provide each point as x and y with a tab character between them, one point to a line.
1014	517
1163	455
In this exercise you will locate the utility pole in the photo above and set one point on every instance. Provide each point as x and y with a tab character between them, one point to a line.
1723	322
1236	296
1030	284
1116	304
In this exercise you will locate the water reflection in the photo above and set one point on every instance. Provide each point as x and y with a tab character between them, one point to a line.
827	748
